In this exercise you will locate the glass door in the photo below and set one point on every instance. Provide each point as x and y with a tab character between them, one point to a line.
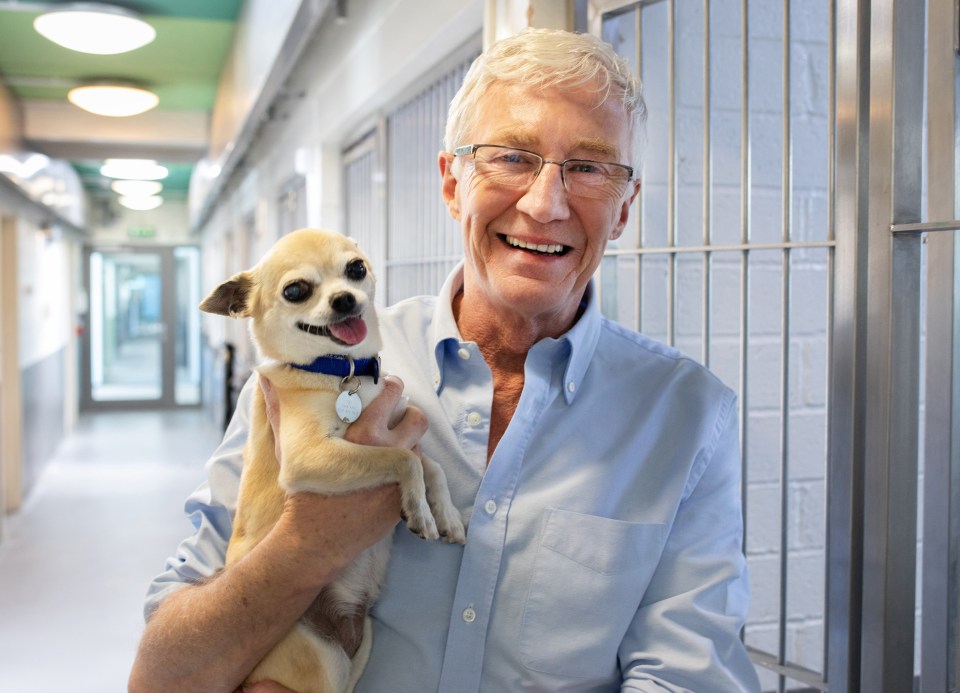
142	335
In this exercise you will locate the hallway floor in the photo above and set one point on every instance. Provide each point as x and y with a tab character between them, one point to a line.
76	561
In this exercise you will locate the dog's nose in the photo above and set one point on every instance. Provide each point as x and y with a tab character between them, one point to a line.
343	302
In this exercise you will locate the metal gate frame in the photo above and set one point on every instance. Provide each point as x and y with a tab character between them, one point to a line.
875	391
939	656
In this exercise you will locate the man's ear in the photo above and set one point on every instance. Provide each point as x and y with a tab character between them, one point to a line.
233	298
625	211
449	183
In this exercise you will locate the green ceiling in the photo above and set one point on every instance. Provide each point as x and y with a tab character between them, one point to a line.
182	66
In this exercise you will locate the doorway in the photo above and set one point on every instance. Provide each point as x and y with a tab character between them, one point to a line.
141	338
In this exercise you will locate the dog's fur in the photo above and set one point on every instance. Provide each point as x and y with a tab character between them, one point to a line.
331	283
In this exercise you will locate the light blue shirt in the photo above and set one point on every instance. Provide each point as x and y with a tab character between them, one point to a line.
604	538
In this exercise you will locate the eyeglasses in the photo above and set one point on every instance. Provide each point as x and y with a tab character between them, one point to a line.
517	168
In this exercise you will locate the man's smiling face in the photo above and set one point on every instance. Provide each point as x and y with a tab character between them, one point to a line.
532	251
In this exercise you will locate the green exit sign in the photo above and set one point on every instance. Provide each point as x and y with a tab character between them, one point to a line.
141	232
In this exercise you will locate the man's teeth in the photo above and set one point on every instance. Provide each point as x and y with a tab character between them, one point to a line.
551	249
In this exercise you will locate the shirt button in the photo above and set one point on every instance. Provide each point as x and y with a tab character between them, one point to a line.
490	506
464	353
474	418
469	615
571	386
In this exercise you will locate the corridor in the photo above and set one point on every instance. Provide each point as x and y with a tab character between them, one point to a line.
76	561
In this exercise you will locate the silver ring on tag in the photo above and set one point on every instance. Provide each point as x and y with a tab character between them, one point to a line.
343	383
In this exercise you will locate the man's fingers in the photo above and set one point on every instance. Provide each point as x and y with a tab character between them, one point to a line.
410	428
385	422
384	403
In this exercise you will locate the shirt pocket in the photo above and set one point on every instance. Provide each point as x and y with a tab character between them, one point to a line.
589	576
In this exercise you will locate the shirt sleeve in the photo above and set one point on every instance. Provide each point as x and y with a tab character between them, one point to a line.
210	509
686	634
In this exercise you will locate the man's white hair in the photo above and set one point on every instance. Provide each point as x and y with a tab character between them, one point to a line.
546	58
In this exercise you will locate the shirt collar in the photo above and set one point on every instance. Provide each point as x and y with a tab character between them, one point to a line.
582	337
444	326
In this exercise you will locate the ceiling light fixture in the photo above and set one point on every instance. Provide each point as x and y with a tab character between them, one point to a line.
133	169
136	188
140	204
95	28
115	100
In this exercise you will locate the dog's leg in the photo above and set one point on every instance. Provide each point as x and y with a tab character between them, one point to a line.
334	465
449	522
359	662
306	663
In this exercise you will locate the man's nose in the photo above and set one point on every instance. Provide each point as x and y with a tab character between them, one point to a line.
546	198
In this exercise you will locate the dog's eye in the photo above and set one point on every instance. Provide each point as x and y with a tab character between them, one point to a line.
356	270
297	292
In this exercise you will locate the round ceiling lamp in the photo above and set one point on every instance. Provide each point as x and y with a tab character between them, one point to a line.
133	169
115	100
95	28
140	204
137	188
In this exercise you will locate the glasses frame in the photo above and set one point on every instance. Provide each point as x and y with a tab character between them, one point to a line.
468	149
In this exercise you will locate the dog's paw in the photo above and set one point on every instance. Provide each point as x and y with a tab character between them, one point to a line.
450	524
420	520
424	527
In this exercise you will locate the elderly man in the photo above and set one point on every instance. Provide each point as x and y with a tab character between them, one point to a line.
598	470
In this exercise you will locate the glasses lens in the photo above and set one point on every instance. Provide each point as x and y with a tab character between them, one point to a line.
594	178
507	166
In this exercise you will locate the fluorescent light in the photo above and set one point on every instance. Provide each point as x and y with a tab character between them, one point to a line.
95	28
113	100
136	188
141	204
133	169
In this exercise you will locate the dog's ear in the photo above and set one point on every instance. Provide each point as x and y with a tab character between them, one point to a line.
232	298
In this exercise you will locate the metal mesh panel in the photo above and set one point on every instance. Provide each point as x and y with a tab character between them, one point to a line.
393	204
423	242
364	208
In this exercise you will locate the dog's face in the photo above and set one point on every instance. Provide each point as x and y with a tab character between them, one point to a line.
311	295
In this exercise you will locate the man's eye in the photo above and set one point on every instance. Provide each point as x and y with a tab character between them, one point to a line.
513	159
356	270
297	292
584	167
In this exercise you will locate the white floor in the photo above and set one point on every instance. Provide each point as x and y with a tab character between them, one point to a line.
76	561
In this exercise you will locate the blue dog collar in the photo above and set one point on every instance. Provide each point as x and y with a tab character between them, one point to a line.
343	366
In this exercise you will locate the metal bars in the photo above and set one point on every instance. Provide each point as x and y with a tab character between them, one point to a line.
364	208
691	255
847	376
392	201
892	352
424	243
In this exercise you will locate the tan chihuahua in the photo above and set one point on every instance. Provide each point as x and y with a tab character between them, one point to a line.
310	300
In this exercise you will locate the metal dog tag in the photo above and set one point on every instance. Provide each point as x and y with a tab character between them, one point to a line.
349	406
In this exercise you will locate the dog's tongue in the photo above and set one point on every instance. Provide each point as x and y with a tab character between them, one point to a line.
351	331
